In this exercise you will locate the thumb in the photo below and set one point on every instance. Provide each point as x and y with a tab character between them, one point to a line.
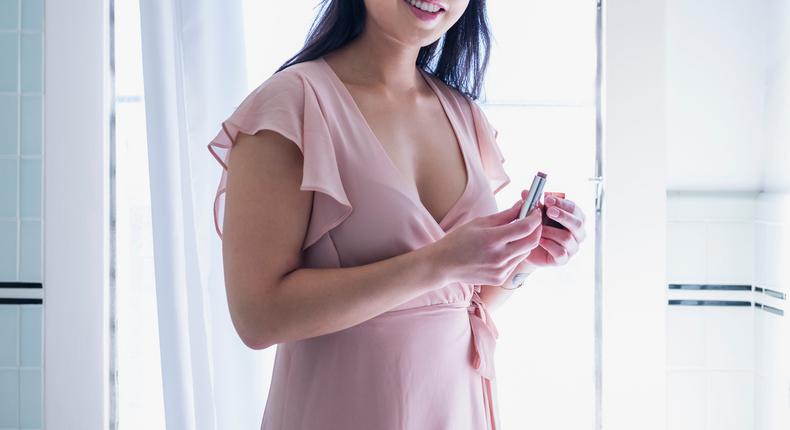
504	216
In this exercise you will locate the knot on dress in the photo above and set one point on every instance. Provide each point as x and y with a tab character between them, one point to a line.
484	335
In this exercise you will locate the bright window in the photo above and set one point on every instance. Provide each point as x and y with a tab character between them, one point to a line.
139	403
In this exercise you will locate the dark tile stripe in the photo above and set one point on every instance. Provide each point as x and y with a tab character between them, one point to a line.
776	294
770	309
709	303
20	284
15	301
720	287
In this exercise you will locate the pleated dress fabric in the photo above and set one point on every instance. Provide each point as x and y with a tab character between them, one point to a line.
426	364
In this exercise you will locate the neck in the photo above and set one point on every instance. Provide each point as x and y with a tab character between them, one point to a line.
379	62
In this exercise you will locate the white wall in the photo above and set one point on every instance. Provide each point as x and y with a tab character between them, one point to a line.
76	221
710	358
728	70
728	368
634	216
777	88
716	67
772	332
710	237
772	230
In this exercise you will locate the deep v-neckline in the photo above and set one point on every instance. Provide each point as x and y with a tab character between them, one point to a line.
413	193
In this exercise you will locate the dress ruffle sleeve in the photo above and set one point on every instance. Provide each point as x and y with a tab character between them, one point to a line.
490	154
287	104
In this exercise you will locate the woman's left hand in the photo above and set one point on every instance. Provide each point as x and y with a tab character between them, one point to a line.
557	245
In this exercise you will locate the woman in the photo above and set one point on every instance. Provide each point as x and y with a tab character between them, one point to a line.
376	281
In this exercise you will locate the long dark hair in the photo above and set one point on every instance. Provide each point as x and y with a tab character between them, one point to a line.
462	57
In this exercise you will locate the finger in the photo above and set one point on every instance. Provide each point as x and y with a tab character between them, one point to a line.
580	214
563	237
566	205
557	252
519	228
580	234
504	216
565	218
526	244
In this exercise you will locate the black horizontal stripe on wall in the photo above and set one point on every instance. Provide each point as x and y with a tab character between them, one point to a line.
16	301
709	303
20	284
770	309
719	287
773	293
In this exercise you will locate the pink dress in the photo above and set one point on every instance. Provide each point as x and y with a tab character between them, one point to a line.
427	364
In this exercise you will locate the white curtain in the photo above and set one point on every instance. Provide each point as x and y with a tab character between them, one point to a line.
194	74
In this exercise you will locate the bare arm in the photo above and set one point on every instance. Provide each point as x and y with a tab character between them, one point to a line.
495	296
272	299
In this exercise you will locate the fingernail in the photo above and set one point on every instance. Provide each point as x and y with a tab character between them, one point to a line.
550	200
554	212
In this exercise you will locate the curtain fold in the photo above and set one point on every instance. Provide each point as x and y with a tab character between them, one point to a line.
194	73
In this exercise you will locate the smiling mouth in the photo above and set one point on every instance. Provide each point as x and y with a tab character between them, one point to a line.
438	11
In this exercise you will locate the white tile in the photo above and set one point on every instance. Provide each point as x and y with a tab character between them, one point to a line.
773	207
766	252
730	252
685	337
730	401
783	281
676	294
761	349
712	205
729	338
9	335
9	398
773	361
771	404
8	252
686	252
686	400
31	335
768	255
761	408
30	398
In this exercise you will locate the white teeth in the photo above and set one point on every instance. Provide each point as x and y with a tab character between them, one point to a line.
424	6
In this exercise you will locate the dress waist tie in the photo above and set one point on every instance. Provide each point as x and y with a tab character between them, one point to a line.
484	334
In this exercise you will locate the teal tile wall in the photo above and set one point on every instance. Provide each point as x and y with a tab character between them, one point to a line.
21	373
21	150
21	124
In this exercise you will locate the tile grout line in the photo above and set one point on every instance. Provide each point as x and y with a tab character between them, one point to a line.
18	365
19	211
18	135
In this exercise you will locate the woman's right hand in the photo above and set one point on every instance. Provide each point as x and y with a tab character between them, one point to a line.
487	249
